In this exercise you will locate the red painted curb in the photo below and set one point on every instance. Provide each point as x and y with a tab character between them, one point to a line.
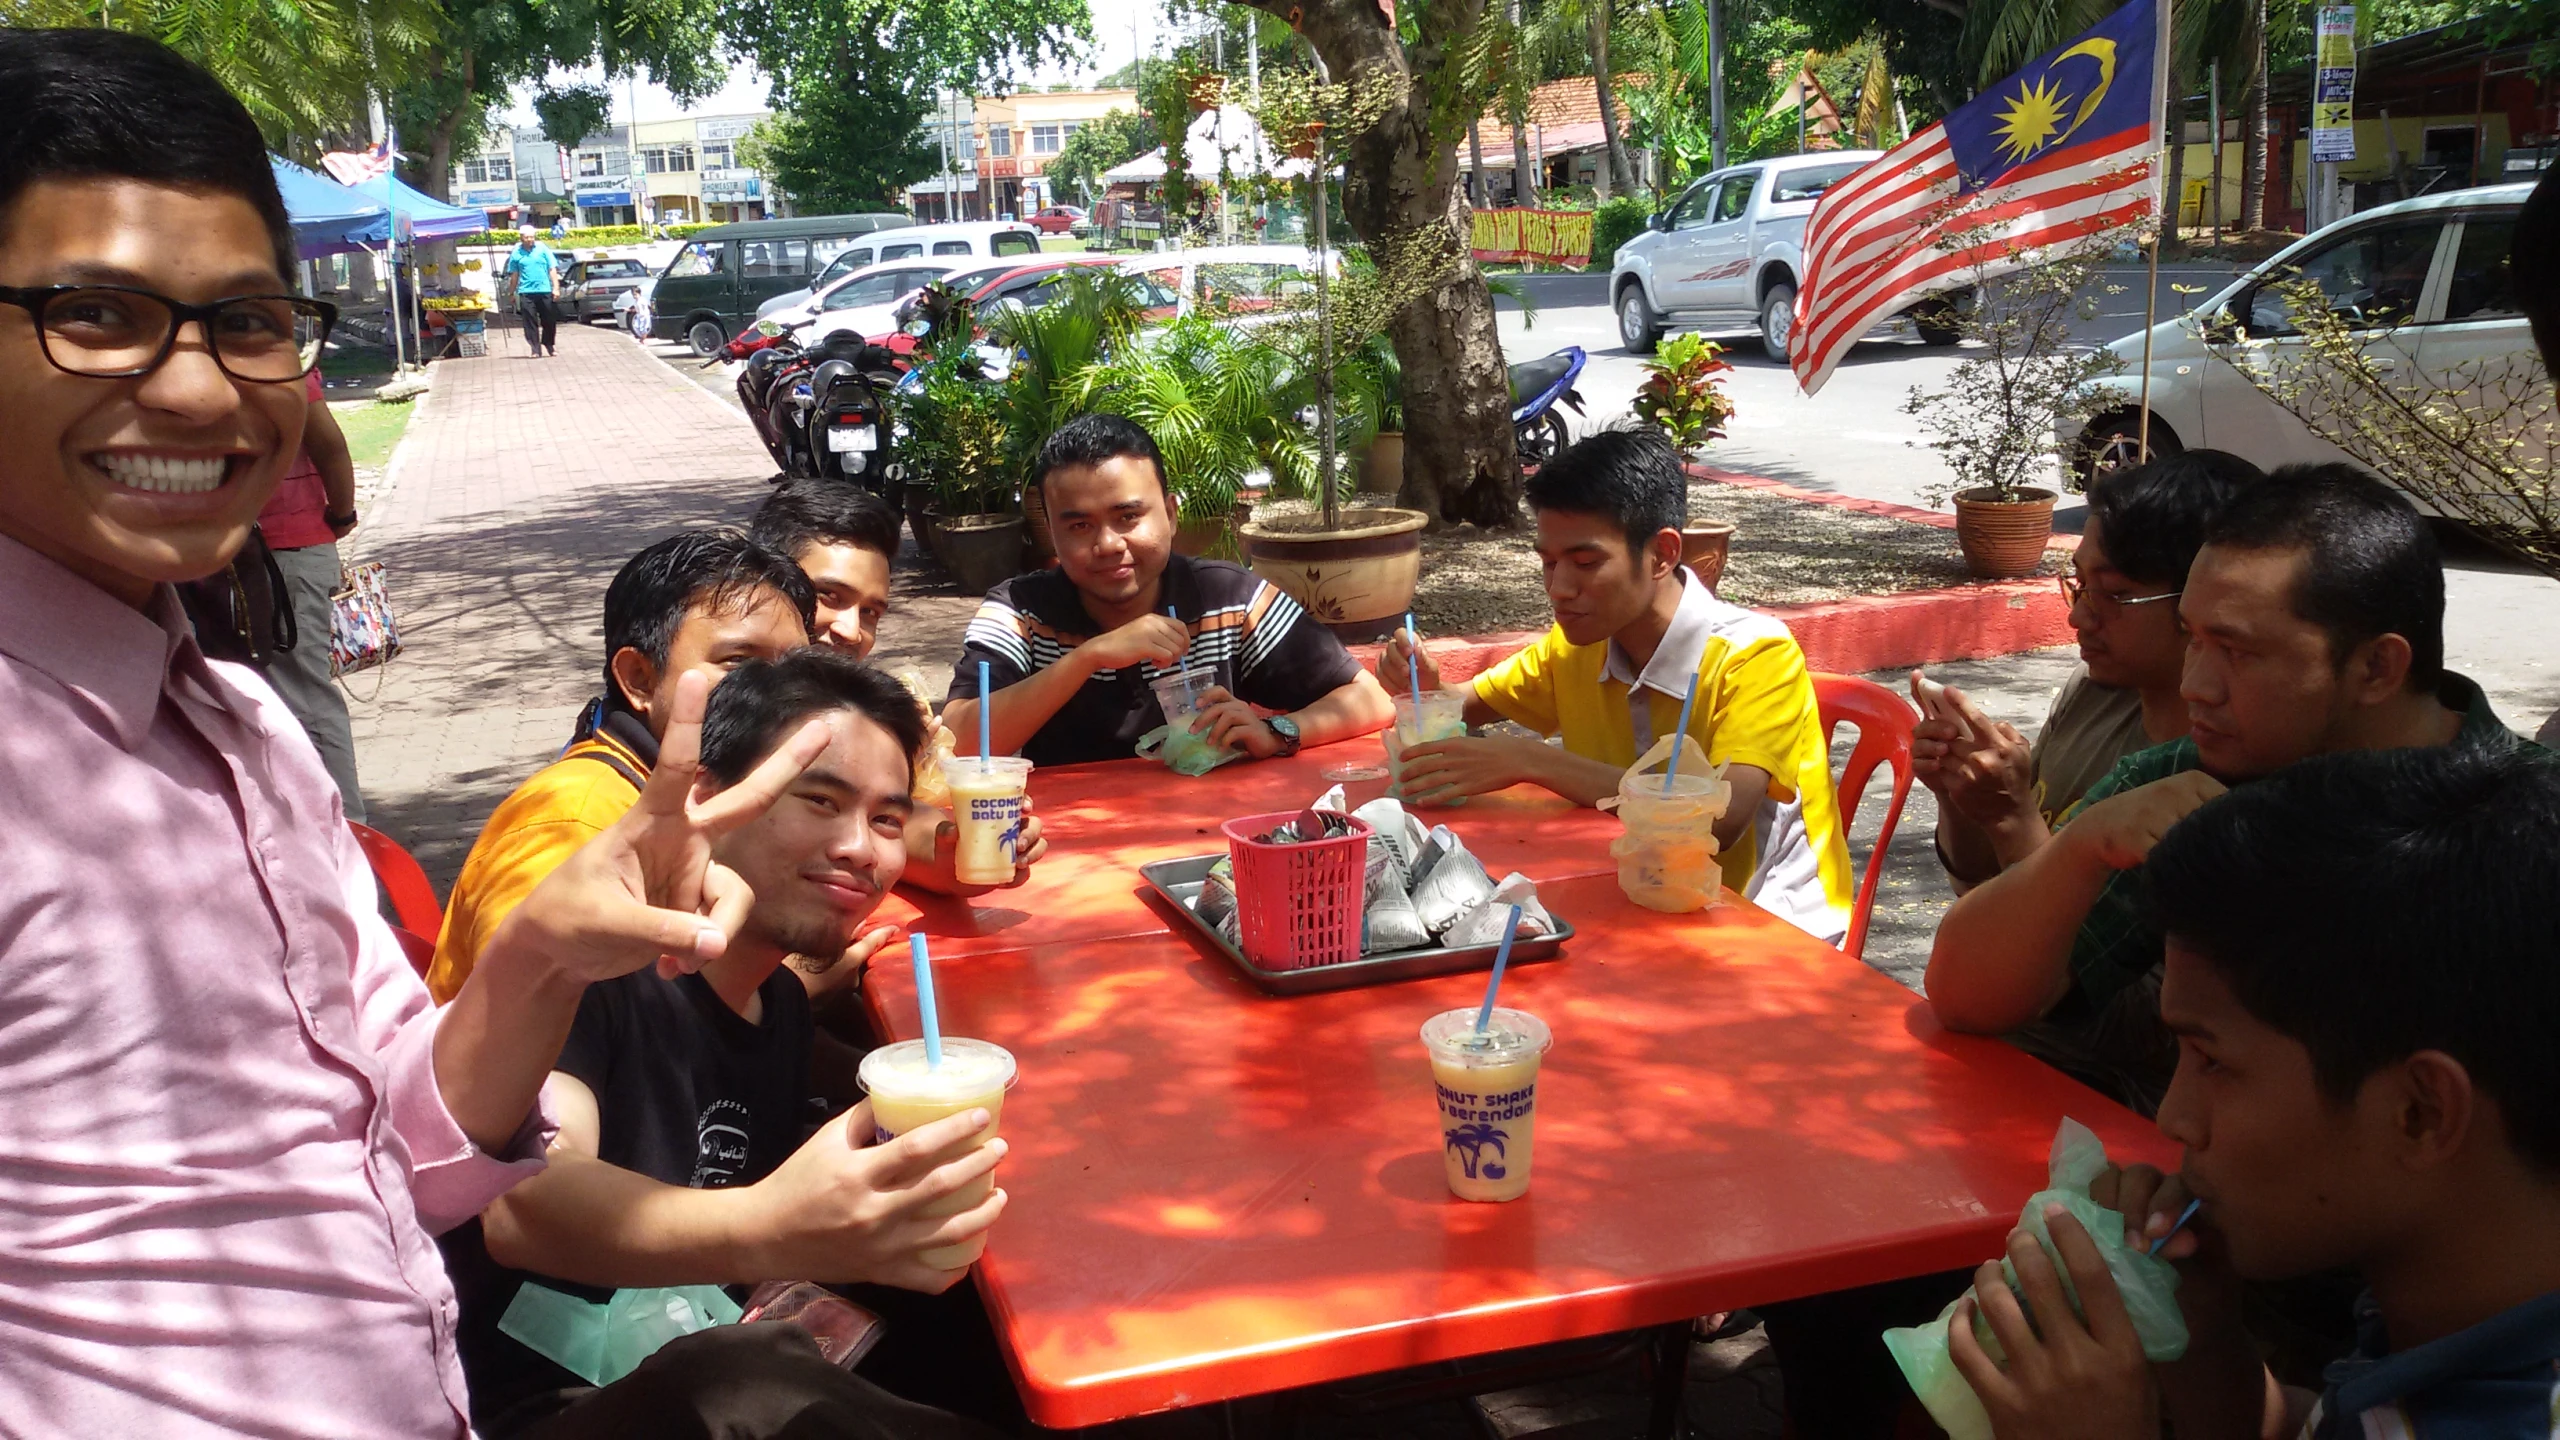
1864	632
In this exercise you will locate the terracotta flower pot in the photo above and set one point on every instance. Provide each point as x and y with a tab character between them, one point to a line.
1357	579
2003	539
980	550
1207	92
917	501
1704	548
1196	538
1382	468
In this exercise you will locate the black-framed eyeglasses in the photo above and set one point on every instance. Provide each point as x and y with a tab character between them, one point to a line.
2073	589
114	332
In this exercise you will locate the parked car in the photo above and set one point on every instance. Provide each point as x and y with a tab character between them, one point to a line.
951	244
1235	279
862	301
592	287
711	288
1729	253
1060	220
1027	286
2428	281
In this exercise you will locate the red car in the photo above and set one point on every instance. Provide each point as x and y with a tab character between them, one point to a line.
1059	219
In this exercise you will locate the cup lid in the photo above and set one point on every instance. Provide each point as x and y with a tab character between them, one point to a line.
1511	1037
969	1069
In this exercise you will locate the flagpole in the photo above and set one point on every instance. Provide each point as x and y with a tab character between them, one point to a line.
2160	216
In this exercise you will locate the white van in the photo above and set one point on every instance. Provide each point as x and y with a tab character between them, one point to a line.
966	240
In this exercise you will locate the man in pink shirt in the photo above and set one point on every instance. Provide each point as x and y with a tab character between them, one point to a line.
312	510
230	1121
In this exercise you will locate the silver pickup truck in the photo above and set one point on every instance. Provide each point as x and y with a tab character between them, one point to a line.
1728	253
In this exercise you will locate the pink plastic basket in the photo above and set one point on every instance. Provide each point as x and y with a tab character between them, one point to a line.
1297	906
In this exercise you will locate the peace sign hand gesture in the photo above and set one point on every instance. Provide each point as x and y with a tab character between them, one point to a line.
647	889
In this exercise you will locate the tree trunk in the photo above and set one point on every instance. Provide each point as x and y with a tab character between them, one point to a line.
1461	462
1622	179
1475	163
1524	177
2175	132
2253	126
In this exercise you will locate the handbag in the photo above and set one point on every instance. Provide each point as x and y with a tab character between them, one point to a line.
363	632
243	611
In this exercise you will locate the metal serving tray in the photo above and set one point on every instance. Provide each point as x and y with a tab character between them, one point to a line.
1178	882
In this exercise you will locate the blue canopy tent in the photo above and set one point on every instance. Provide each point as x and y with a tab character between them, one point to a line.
328	218
423	219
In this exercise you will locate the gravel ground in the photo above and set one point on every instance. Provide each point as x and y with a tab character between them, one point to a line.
1785	552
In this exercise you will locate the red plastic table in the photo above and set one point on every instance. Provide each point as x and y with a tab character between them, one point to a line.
1218	1193
1104	821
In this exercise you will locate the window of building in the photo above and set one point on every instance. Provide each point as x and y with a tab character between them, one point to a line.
999	142
1044	139
715	155
591	165
665	159
487	169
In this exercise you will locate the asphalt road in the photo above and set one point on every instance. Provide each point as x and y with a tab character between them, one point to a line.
1853	438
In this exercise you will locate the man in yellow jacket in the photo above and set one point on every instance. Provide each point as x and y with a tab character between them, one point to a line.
1634	629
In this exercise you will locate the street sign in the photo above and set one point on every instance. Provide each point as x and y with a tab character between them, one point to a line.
2333	86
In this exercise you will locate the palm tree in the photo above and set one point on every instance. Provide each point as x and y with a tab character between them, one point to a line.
302	67
1471	1141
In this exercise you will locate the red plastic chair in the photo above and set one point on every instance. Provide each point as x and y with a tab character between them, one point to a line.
420	950
1884	722
404	880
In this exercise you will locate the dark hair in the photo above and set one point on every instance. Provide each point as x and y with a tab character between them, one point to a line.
2372	904
1092	439
2537	287
697	570
1630	475
2369	568
100	103
761	701
2155	514
810	511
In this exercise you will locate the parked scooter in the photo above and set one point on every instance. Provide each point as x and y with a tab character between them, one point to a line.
1536	386
820	411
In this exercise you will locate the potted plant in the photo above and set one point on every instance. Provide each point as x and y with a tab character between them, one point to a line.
1682	395
1994	420
955	449
1382	374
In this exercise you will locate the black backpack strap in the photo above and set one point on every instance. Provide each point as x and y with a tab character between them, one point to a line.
620	766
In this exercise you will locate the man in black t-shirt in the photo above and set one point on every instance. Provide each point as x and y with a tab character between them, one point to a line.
683	1102
1070	651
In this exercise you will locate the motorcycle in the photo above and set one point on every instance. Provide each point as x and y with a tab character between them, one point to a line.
1536	386
819	410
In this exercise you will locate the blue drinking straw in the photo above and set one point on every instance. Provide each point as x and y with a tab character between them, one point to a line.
1185	672
1680	737
1501	958
2183	1217
1413	669
925	1012
986	747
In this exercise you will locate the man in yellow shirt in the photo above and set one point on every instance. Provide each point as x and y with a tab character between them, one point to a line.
702	601
1634	629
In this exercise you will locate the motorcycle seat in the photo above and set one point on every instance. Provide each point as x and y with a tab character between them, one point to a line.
1532	378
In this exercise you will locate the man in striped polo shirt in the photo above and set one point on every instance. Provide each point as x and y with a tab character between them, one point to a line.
1070	651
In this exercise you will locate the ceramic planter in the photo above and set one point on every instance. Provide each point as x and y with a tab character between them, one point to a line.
2003	539
1382	468
1357	579
980	550
1704	548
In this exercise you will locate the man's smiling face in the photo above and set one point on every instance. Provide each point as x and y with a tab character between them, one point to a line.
155	477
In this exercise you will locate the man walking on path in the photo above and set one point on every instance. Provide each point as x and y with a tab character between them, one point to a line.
531	265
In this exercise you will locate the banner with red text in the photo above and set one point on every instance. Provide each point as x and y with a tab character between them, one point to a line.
1547	237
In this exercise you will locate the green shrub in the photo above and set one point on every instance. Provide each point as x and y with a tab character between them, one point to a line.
1619	219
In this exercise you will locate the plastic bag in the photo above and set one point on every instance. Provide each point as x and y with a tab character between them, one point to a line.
1667	857
602	1343
1482	924
1390	821
1448	880
2149	1287
1184	752
1388	920
1216	902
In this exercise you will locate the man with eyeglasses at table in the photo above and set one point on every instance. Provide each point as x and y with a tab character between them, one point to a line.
1999	796
230	1120
2315	623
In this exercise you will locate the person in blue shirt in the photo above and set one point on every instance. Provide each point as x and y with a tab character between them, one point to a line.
2364	978
533	268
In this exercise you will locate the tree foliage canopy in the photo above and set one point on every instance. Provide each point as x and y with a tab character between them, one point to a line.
1115	139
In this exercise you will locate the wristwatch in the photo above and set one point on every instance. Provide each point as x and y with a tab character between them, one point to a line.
340	522
1287	730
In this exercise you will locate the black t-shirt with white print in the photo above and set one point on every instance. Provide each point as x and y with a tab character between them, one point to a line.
687	1093
1266	648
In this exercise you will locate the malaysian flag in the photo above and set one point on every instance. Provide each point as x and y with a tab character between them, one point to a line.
358	167
2059	152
